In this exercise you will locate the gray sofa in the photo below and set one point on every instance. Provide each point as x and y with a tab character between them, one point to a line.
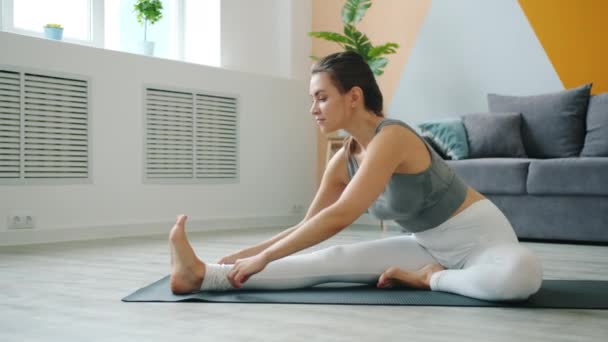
552	199
557	190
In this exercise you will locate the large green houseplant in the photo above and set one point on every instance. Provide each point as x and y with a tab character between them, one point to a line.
354	40
148	11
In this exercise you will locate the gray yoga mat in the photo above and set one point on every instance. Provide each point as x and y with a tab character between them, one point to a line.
571	294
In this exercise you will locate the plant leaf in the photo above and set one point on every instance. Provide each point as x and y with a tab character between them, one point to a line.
354	10
148	10
330	36
358	41
377	64
380	50
314	58
350	48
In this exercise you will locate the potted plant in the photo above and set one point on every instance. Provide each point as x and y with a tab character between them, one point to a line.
53	31
354	40
148	11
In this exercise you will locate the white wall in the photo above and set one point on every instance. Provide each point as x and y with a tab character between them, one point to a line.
277	149
267	36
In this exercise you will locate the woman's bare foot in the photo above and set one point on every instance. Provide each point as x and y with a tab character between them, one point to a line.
187	271
420	279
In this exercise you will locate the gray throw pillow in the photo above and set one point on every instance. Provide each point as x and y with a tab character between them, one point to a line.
494	135
596	140
553	125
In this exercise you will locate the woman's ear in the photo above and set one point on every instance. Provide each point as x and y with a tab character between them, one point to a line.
355	96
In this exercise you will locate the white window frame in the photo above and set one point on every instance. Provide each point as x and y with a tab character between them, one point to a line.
97	28
181	30
95	31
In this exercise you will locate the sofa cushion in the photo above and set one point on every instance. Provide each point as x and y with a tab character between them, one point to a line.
596	140
569	176
493	175
553	125
494	135
448	135
556	217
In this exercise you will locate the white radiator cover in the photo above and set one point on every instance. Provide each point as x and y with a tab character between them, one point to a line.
191	136
44	127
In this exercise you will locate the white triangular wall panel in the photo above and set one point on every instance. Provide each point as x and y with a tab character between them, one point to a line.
465	50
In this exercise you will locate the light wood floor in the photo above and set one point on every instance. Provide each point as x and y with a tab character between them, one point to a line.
71	292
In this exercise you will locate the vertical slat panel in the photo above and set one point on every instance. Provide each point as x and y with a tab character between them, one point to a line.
56	127
169	134
216	138
10	124
190	136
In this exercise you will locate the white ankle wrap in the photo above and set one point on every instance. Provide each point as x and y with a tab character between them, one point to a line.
216	277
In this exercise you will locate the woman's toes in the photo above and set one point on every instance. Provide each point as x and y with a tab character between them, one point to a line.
384	278
389	278
181	219
385	284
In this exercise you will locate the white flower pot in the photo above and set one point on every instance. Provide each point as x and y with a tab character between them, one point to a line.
146	47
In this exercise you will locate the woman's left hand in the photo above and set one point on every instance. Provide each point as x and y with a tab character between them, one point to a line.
245	268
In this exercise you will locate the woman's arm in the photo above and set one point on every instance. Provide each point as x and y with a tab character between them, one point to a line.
321	227
333	183
256	249
384	153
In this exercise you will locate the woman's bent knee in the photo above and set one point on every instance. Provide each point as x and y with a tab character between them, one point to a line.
522	276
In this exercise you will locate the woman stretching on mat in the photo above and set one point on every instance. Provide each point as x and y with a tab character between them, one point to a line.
461	242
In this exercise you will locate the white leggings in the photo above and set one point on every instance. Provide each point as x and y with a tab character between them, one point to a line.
478	248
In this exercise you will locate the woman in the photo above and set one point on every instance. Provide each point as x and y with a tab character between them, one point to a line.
461	242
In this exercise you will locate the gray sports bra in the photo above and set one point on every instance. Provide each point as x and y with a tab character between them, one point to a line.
419	201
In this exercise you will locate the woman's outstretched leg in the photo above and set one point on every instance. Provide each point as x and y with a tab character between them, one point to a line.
362	262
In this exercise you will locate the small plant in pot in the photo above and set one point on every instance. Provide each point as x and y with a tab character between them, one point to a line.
148	13
53	31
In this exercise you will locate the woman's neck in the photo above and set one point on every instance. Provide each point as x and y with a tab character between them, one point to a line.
363	130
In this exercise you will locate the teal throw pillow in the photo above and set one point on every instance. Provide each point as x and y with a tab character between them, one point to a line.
448	135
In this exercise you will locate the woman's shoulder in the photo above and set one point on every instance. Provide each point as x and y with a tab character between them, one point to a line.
401	133
390	122
395	138
405	142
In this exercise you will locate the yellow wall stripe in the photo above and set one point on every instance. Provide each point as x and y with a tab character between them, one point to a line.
574	36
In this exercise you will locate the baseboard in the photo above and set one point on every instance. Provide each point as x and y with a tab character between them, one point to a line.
38	236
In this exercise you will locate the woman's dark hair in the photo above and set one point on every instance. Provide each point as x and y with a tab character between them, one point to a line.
347	70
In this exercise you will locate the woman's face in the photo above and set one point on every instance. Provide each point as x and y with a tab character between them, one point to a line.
328	105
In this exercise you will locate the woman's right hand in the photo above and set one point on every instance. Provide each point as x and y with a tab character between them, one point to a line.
242	254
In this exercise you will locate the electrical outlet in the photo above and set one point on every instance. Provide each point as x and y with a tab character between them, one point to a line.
297	209
21	221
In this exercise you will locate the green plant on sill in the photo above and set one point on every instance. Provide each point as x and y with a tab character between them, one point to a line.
148	11
57	26
354	40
